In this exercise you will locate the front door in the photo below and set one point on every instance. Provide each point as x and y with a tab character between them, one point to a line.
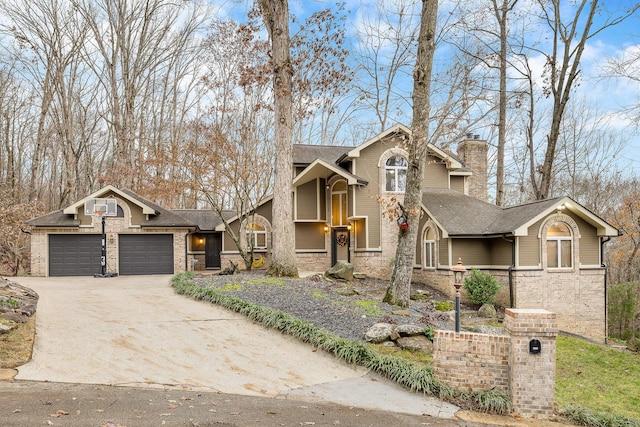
340	245
212	249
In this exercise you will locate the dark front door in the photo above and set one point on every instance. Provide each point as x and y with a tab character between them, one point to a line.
212	250
146	253
340	245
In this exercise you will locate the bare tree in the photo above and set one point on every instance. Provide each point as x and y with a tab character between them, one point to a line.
386	54
323	77
133	45
562	69
399	288
275	14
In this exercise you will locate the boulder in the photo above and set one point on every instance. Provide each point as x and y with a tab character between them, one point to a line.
6	328
409	330
378	333
417	343
487	311
341	271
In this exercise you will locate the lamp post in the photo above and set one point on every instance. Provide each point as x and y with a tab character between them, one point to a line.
458	275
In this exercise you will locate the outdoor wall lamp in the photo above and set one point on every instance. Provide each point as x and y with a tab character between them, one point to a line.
326	228
458	274
349	226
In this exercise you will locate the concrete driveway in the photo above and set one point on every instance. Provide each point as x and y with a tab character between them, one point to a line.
135	331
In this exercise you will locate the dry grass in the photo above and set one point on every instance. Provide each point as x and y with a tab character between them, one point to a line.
17	345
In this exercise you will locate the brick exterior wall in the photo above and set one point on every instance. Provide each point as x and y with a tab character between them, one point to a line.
476	362
577	297
533	376
470	361
113	227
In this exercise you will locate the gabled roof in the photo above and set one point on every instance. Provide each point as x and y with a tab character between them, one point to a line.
322	169
162	217
130	196
54	219
305	154
206	219
157	216
235	215
460	215
453	161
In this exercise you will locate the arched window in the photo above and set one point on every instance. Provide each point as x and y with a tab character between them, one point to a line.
559	246
429	248
396	173
256	235
339	204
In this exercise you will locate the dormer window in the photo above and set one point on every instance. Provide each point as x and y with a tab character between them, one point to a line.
396	173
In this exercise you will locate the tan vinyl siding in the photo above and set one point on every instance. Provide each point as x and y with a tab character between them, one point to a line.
136	215
443	252
84	219
589	245
472	251
360	231
365	204
501	251
350	195
310	236
307	201
323	199
263	210
457	183
436	174
529	247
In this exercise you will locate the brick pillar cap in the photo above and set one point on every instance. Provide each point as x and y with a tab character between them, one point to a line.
527	312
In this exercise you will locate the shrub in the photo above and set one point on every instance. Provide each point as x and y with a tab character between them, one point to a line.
481	287
444	305
622	309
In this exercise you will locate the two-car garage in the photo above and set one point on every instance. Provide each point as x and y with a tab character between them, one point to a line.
78	254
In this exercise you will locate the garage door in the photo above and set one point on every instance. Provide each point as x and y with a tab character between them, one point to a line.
74	254
146	254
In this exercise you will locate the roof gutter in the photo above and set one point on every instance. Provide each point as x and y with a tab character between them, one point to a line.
606	275
511	267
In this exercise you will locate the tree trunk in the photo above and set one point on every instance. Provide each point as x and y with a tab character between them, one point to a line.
400	286
275	14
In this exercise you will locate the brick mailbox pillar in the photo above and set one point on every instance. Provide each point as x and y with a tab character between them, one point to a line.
532	360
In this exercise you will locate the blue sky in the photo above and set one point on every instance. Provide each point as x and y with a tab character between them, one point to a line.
611	97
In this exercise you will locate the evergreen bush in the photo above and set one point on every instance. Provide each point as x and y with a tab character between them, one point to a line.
481	287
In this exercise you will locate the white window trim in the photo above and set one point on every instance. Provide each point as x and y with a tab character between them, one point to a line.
382	166
257	219
575	239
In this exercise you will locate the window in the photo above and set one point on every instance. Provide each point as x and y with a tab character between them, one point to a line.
429	248
396	173
339	204
256	235
559	246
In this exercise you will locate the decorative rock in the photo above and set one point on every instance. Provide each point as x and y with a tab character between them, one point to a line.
418	343
341	271
487	311
378	333
409	330
389	344
14	317
5	328
401	312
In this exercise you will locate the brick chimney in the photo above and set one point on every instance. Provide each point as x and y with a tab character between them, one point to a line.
473	153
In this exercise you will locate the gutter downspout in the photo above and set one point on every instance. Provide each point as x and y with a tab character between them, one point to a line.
511	267
606	275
